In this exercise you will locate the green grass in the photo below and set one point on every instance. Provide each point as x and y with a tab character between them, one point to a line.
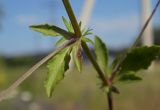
82	90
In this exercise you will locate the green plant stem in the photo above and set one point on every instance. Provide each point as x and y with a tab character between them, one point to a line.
118	66
105	79
72	18
145	25
95	64
110	100
84	45
6	92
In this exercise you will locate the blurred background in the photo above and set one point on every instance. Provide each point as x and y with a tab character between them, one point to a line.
116	22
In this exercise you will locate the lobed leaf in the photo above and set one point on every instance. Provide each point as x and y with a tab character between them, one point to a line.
80	25
77	57
129	77
117	59
101	54
49	30
108	89
86	32
68	25
57	66
139	58
60	41
85	39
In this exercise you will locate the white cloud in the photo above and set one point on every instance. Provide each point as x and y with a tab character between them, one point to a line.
124	23
30	19
117	32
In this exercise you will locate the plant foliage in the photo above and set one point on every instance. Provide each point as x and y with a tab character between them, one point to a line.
57	66
123	69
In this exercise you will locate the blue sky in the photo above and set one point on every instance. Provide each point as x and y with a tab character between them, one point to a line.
116	22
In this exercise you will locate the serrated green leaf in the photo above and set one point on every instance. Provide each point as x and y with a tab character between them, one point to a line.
108	89
56	69
86	32
140	58
77	57
115	90
80	25
49	30
101	54
68	25
60	41
85	39
116	61
129	77
83	31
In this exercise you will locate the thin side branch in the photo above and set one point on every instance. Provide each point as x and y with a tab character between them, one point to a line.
118	66
5	93
84	45
145	25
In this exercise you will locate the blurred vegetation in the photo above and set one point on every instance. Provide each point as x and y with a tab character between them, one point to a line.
3	77
157	36
23	60
78	91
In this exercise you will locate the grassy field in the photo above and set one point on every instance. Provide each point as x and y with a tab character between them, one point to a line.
79	91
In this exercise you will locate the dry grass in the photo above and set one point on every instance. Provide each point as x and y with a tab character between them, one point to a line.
80	91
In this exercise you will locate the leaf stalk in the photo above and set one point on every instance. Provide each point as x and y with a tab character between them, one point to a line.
118	66
5	93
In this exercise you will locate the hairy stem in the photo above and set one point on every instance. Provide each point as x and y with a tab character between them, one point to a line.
95	64
6	92
145	25
118	66
72	18
110	100
86	49
84	45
